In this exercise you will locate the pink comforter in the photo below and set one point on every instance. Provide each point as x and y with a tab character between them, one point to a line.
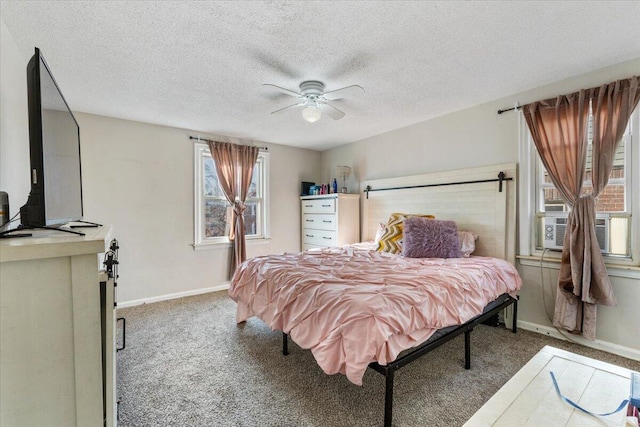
352	307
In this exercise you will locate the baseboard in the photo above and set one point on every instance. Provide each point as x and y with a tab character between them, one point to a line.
221	287
629	353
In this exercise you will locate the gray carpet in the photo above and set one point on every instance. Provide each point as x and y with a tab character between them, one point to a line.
187	363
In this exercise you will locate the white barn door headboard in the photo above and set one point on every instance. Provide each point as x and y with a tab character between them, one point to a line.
477	207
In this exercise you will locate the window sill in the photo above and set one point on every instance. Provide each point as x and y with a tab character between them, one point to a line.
227	245
614	270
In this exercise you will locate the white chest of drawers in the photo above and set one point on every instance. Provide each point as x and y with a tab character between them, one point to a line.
330	220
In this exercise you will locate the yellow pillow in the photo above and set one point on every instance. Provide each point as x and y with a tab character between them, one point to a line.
391	240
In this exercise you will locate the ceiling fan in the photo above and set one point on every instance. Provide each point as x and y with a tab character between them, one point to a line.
315	100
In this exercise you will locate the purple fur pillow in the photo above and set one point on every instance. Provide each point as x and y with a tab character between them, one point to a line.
430	238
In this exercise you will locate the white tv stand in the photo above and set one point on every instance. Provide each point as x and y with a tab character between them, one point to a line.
50	331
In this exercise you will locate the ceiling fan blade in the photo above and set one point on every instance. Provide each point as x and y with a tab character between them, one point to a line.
330	110
283	90
344	92
299	104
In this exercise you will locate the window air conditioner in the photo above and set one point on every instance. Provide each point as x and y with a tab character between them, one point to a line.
556	225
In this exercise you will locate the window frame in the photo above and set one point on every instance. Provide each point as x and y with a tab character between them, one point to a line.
530	202
201	153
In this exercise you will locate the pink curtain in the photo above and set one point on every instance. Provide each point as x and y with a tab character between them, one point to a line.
234	166
559	130
612	106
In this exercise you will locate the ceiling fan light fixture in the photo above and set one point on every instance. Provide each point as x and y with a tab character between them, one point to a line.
314	100
311	113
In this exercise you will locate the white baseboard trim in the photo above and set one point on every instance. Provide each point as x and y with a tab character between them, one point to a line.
629	353
221	287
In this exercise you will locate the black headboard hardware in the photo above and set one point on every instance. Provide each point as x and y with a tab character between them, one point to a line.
501	177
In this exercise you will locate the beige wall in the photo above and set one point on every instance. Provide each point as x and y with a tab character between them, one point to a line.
478	136
475	136
14	128
139	177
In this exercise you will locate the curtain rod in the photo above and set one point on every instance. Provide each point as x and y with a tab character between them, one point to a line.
592	91
509	109
197	138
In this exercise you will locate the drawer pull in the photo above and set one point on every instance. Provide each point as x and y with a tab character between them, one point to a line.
309	235
326	206
328	238
309	220
327	220
124	333
308	206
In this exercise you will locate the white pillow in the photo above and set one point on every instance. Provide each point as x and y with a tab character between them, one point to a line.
467	243
379	233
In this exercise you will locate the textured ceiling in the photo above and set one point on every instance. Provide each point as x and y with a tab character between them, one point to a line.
201	65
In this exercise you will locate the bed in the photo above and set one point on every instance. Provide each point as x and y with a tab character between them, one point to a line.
357	308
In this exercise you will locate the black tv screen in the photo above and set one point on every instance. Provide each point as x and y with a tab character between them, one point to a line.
54	145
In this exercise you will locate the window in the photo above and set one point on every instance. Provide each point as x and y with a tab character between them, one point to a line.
213	211
614	208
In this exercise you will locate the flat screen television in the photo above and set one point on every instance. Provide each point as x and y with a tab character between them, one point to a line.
54	146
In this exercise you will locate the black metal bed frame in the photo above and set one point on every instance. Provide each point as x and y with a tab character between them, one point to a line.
390	369
430	344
